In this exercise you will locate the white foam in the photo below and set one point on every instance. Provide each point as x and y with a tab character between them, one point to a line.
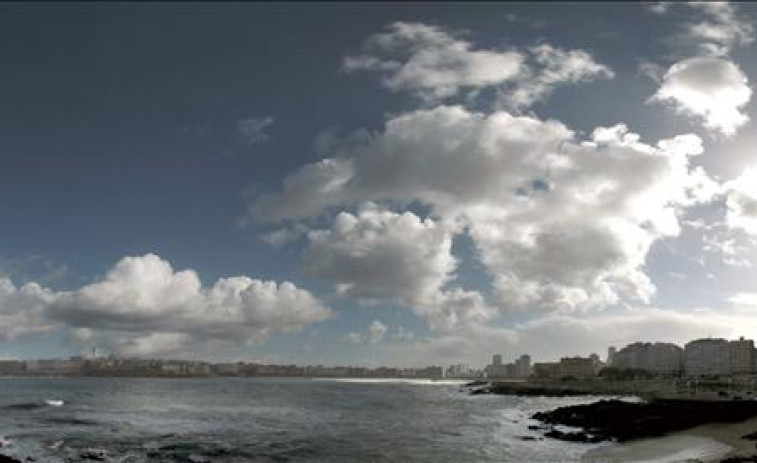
54	402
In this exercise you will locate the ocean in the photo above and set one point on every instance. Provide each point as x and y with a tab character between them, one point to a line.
271	420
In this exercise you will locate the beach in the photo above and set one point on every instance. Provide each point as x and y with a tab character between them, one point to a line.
707	443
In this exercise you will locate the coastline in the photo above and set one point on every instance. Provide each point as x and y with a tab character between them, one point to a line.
729	434
712	442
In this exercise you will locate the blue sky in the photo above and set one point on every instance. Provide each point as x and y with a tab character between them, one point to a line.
374	183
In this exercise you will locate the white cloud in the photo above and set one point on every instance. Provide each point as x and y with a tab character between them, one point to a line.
431	63
554	67
744	299
283	236
658	7
381	256
720	29
727	247
22	310
143	304
253	129
557	335
710	89
741	202
374	335
376	331
522	188
403	334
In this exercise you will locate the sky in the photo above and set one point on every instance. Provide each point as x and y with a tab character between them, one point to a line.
375	184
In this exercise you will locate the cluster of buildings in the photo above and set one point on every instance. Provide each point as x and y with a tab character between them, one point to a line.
569	367
519	369
462	371
709	357
115	366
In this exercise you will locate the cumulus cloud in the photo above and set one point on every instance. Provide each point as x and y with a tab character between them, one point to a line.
711	89
434	64
382	256
707	85
429	62
558	222
22	310
142	305
253	129
375	334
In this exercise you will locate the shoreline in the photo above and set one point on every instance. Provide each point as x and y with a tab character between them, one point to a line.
709	443
659	431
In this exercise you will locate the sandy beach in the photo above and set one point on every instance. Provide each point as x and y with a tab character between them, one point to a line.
707	443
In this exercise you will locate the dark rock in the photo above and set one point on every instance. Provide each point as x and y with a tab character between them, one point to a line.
748	459
750	436
476	383
523	389
621	421
535	427
527	438
6	459
481	390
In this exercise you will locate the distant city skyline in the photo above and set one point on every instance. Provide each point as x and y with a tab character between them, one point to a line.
375	184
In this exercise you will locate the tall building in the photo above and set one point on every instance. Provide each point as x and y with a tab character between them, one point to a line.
497	369
707	357
611	355
523	366
742	356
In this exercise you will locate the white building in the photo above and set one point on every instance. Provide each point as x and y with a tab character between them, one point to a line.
742	355
707	357
660	358
523	366
611	351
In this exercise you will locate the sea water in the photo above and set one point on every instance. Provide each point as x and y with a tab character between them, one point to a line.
272	420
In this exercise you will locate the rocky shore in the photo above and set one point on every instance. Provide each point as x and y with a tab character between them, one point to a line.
525	389
620	421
